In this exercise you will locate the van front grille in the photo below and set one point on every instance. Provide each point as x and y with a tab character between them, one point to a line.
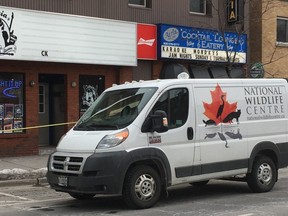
67	164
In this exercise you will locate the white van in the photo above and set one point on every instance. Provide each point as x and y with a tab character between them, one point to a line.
140	138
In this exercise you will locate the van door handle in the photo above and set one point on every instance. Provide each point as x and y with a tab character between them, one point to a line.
190	133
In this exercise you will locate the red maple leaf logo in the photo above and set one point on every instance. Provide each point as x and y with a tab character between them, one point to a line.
220	107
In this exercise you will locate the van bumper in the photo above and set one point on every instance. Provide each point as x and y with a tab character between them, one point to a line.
101	174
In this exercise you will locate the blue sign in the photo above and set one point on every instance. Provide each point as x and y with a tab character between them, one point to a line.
179	42
10	87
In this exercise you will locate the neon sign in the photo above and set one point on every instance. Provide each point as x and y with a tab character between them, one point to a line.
10	86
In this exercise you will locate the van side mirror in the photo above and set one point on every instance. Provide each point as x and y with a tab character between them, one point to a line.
156	122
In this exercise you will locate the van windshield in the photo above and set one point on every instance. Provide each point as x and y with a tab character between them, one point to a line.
115	109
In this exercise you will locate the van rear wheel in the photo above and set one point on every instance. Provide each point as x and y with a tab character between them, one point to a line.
263	175
142	187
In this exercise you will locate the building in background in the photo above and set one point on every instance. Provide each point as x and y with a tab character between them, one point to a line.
269	36
56	57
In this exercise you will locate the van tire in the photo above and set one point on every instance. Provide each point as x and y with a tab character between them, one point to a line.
142	187
263	175
81	196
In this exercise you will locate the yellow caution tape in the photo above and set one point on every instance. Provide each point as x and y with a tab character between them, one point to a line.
39	126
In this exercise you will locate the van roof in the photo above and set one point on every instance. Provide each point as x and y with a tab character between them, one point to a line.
162	83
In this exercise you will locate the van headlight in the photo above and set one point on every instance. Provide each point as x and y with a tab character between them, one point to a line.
112	140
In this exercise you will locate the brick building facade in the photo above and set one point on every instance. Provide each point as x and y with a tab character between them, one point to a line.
269	36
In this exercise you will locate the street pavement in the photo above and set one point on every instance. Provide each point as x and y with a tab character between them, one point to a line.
25	169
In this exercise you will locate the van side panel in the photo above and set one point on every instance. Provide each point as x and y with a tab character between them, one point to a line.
221	134
266	120
236	118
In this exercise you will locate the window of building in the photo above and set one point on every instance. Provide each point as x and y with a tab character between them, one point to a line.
11	103
41	99
282	30
175	103
139	3
198	6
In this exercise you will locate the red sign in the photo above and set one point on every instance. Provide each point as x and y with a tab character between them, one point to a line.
147	41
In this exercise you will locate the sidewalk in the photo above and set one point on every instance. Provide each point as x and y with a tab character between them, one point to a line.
24	170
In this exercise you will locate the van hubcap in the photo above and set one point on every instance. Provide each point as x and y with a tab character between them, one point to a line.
145	187
265	174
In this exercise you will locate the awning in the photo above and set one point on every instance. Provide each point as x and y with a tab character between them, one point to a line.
172	70
219	72
200	72
216	72
237	72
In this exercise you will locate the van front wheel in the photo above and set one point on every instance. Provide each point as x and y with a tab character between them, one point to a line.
263	175
142	187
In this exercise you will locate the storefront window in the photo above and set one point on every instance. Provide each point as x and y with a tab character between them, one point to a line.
90	87
11	103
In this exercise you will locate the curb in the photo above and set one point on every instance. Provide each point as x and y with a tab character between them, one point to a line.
42	181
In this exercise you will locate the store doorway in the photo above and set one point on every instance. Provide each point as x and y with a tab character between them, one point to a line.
52	107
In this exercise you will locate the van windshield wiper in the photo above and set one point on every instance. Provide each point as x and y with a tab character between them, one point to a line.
97	127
